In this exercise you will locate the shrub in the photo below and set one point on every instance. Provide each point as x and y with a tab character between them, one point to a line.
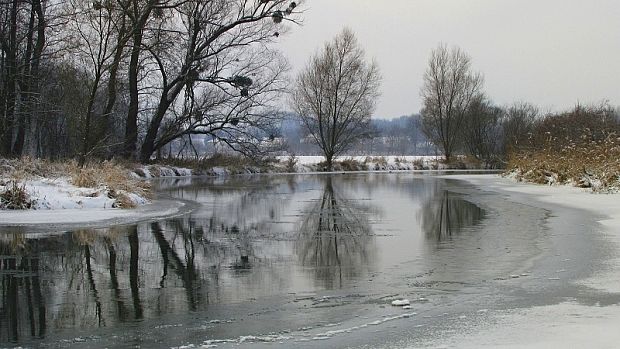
595	164
418	164
291	163
352	165
15	197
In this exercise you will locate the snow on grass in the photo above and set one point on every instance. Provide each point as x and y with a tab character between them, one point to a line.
306	164
154	171
60	193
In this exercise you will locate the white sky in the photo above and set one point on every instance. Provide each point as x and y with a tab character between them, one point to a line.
553	53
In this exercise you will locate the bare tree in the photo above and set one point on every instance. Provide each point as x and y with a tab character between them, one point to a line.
449	87
335	95
183	52
518	123
482	136
97	35
23	36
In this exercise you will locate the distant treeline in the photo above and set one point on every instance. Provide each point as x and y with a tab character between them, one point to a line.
399	136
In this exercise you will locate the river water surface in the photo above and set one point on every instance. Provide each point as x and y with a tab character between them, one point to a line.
293	261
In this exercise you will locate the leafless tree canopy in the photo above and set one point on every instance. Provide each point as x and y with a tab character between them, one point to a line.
482	131
83	78
449	87
335	95
518	125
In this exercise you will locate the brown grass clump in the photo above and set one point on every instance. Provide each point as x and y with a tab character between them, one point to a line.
122	200
351	165
111	175
15	197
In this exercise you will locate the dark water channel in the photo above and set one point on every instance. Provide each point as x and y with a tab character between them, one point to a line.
297	260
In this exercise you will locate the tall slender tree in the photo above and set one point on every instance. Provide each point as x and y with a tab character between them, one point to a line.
449	88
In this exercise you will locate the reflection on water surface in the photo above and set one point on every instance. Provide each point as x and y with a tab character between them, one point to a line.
250	238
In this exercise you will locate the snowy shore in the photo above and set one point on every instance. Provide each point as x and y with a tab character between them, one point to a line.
565	325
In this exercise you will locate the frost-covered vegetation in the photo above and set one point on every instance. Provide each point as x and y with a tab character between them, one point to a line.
580	147
41	184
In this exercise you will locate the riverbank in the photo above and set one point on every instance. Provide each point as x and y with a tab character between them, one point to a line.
573	322
96	190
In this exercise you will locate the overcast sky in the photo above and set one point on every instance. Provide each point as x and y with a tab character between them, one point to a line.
553	53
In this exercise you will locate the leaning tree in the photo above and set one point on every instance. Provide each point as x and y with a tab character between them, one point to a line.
201	67
335	95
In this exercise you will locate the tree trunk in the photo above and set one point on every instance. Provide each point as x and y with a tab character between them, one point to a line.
329	159
131	126
112	81
148	146
11	80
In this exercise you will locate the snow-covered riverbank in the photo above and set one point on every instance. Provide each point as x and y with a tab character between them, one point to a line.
569	324
40	192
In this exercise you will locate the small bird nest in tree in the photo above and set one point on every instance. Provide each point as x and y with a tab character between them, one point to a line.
277	16
241	81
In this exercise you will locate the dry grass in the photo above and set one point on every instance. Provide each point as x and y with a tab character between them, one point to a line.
418	164
122	200
26	168
233	163
351	165
346	165
15	197
580	147
380	162
112	175
592	164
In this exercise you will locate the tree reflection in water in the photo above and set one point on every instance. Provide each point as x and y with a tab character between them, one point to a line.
101	277
445	214
23	307
96	278
335	238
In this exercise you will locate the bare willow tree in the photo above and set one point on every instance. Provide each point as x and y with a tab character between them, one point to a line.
191	59
217	72
335	95
448	90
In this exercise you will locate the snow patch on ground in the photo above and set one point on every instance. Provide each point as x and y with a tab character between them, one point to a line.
606	206
90	217
59	193
566	325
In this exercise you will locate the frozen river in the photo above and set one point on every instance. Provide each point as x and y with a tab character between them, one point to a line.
306	261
